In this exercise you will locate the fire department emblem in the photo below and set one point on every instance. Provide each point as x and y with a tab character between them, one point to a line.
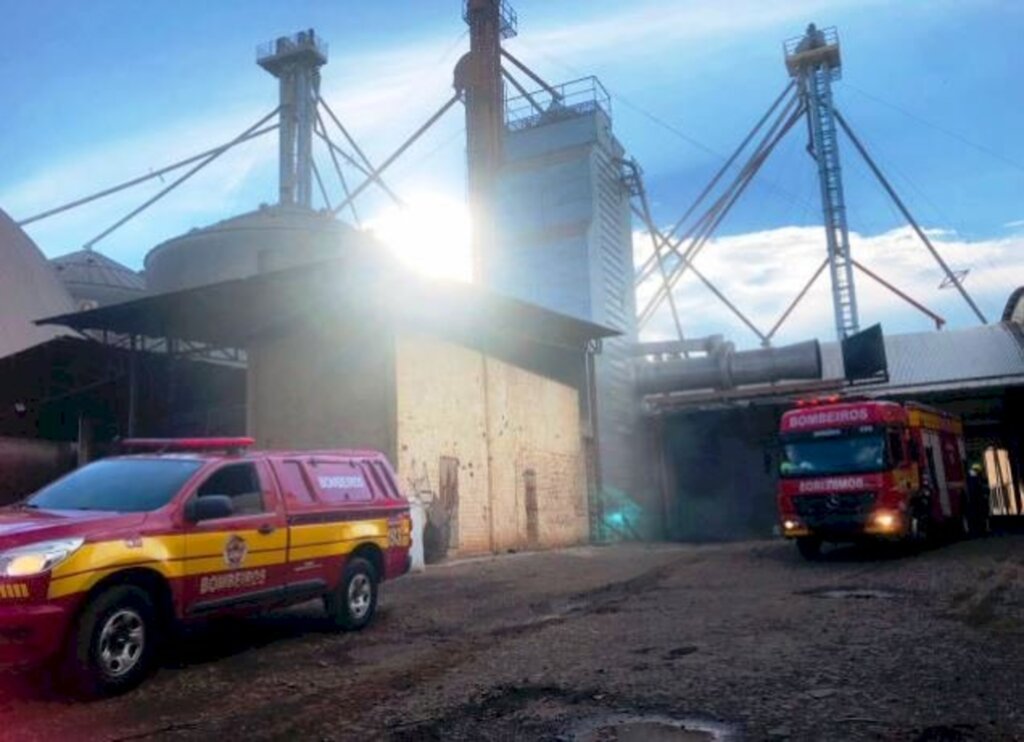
832	501
234	551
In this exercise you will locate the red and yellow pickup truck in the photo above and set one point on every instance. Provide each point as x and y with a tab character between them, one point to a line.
98	567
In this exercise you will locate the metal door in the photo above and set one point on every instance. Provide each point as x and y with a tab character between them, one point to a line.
449	496
532	507
937	469
240	560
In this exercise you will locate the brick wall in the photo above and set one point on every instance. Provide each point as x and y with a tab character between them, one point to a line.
499	421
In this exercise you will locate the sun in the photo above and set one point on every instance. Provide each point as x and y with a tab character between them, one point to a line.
430	234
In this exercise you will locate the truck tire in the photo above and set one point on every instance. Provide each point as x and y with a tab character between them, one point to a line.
353	604
113	644
809	547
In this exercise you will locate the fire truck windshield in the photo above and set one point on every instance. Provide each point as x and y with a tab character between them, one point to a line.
848	454
117	485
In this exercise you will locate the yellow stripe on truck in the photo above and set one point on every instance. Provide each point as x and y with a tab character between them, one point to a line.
319	533
178	555
323	540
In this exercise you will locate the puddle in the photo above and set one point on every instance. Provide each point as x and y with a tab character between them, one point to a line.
627	728
850	593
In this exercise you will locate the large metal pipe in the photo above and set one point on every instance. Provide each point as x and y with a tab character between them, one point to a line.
724	368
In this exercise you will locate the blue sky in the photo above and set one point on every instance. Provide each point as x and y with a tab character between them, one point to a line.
97	92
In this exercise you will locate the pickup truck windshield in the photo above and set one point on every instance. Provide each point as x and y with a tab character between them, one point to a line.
854	454
117	485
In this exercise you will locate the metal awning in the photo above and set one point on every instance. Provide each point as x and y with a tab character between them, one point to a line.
231	313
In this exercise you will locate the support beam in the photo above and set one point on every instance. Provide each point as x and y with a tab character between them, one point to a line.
937	319
522	91
646	268
909	217
369	169
799	297
148	176
555	95
375	175
716	214
322	133
192	171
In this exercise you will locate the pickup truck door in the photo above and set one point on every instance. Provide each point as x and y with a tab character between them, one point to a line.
313	561
237	561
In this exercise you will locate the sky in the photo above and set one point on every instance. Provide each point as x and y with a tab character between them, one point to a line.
96	93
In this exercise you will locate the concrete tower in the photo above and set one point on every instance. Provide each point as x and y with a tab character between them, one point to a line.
296	61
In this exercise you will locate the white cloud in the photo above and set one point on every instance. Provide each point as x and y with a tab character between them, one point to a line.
762	272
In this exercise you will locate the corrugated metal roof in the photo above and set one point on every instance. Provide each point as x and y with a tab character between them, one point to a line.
943	359
29	290
91	268
231	312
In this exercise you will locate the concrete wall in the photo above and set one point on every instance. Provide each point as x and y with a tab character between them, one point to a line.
327	385
500	422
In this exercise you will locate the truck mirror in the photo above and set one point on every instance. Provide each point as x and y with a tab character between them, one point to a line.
209	507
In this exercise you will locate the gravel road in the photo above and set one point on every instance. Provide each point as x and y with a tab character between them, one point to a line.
673	642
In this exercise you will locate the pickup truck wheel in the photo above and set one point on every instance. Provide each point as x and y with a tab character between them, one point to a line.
809	547
112	646
352	605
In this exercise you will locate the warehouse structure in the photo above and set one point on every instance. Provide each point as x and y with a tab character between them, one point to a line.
476	396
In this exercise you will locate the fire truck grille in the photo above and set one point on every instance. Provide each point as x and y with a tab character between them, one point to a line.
835	509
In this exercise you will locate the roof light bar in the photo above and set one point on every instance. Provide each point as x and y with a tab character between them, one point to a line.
188	444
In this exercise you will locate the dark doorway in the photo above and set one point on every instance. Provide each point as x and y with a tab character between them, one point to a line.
532	509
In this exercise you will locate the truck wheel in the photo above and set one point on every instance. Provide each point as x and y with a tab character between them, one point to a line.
352	605
112	646
809	547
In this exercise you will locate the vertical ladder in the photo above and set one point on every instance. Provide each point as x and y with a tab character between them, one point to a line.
816	86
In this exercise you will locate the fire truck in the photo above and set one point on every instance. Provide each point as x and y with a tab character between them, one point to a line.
853	470
97	568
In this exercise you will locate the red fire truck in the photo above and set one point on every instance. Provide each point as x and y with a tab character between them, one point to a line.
869	469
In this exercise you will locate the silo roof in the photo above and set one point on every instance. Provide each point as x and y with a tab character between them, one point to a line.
29	290
91	268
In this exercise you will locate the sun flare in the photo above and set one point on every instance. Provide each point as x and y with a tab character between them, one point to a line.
430	234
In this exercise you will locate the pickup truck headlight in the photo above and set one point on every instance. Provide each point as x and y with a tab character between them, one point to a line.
34	559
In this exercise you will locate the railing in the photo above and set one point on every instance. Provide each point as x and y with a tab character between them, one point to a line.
290	44
567	100
823	37
509	21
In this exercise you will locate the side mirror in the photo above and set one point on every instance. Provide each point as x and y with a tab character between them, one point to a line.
209	507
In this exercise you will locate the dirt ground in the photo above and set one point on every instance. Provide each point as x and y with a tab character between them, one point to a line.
745	641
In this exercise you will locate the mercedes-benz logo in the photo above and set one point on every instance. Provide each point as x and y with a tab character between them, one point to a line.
832	502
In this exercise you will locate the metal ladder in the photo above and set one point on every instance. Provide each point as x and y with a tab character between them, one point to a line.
817	90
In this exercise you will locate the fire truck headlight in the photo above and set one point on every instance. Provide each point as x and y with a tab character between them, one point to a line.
886	521
33	559
790	525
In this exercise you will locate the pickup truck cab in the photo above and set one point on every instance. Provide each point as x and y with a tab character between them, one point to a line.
97	568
